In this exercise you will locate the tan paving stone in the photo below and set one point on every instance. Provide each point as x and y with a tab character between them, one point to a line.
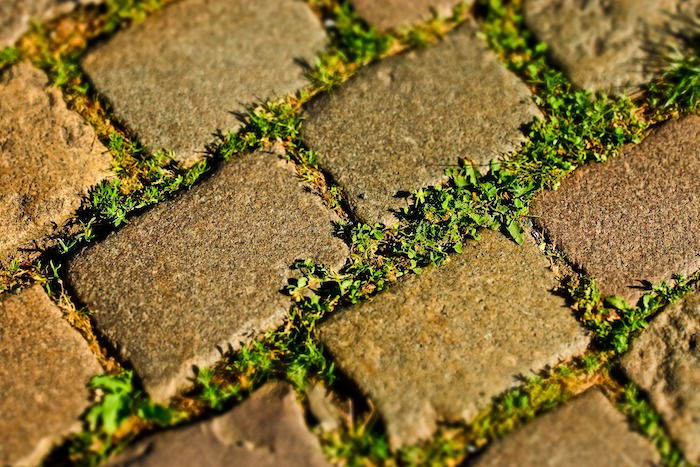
49	159
179	76
397	125
45	366
439	346
204	270
635	217
390	14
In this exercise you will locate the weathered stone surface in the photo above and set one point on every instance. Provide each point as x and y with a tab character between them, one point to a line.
608	45
15	15
204	270
177	77
586	432
390	14
398	124
266	430
440	345
635	217
45	366
665	361
49	158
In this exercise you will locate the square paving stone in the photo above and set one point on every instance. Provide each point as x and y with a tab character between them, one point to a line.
204	270
635	217
49	158
439	346
397	125
45	366
391	14
267	430
180	76
665	361
587	432
608	45
15	15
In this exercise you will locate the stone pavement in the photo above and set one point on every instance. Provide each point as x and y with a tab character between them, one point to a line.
209	270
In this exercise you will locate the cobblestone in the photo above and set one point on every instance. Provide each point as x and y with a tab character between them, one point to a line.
45	366
267	430
609	46
397	125
622	222
439	346
391	14
49	158
665	361
205	269
586	432
181	75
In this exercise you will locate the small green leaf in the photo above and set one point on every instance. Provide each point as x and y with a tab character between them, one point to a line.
516	231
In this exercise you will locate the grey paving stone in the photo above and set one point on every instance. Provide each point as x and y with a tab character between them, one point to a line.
665	361
608	45
586	432
178	77
49	158
204	270
45	366
15	15
439	346
267	430
398	124
635	217
390	14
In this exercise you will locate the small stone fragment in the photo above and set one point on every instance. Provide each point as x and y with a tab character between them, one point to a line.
49	159
635	217
323	408
439	346
610	46
267	430
665	361
391	14
204	270
15	15
182	74
397	125
586	432
45	366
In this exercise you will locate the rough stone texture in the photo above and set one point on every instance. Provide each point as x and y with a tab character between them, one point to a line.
665	361
390	14
608	45
441	345
635	217
586	432
15	15
398	124
267	430
177	77
204	270
45	366
49	158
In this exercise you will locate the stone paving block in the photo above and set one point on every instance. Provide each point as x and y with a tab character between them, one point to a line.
45	366
397	125
49	158
608	45
635	217
586	432
267	430
179	76
390	14
439	346
205	269
665	361
15	15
